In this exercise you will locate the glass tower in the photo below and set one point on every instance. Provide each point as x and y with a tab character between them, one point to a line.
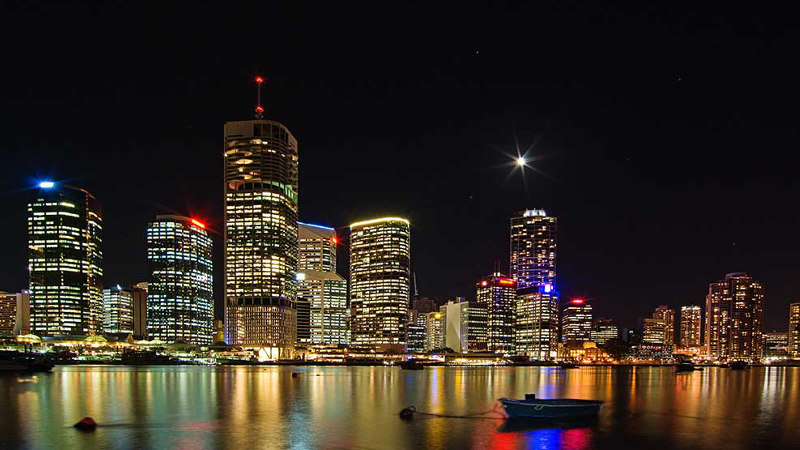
118	310
533	249
734	318
691	324
380	274
536	326
576	322
498	295
261	242
179	292
65	261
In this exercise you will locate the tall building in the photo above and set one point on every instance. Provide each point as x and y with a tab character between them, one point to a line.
576	321
667	316
498	295
139	293
23	322
455	325
477	328
303	320
433	331
603	330
117	310
423	304
179	293
321	287
261	238
794	331
536	325
65	261
776	344
654	331
533	249
417	331
8	312
734	318
380	260
691	326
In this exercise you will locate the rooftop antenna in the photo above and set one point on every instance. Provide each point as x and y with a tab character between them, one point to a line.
416	289
259	108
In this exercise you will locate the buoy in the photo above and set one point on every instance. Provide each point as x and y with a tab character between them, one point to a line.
408	413
294	374
86	424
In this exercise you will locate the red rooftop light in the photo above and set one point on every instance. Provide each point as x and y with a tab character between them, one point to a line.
334	240
506	281
259	109
259	80
198	224
578	301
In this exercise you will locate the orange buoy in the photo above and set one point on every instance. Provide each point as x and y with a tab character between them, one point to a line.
86	424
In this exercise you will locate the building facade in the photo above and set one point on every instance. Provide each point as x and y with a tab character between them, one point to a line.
603	330
497	294
533	249
666	316
380	261
536	325
8	312
139	293
23	322
455	325
691	326
734	318
261	237
576	321
794	331
776	345
417	331
433	331
179	293
65	261
117	310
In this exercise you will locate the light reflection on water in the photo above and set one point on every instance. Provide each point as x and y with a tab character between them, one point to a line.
345	407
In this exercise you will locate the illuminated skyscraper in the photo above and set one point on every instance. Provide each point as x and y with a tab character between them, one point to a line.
533	249
65	261
667	316
417	328
23	322
603	330
139	291
794	330
433	331
8	311
498	294
691	325
261	240
576	321
380	260
537	323
734	318
117	310
320	285
179	293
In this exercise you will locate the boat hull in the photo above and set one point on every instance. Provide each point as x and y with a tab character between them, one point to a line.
550	409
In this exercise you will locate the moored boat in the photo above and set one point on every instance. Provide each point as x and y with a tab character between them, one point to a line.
12	361
686	366
533	408
738	365
411	364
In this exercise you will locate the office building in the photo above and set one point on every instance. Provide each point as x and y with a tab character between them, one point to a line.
8	312
691	326
653	331
603	330
776	345
417	331
380	259
117	310
261	237
536	326
794	331
666	316
303	320
423	304
576	322
433	331
533	249
22	325
317	247
734	318
179	293
498	295
65	261
477	332
139	293
455	325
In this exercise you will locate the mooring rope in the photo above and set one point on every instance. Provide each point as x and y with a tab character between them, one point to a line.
408	412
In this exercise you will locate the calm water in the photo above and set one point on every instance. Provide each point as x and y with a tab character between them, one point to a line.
346	407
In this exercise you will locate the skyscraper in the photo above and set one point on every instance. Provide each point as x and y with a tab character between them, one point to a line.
691	325
179	292
734	318
417	331
433	331
139	291
498	295
603	330
667	316
117	310
23	322
794	330
533	249
8	311
261	240
536	329
320	286
576	321
380	260
65	261
455	325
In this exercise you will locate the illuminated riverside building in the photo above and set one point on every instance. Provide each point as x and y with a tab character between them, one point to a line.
380	259
117	310
536	328
261	238
417	326
8	312
321	287
179	293
776	345
463	326
734	318
533	249
433	331
666	320
691	326
23	321
603	330
576	321
498	295
65	261
794	331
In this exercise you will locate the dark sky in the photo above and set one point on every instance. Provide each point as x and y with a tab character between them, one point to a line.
665	138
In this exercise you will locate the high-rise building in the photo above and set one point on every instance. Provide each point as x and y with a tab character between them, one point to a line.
433	331
653	332
794	331
23	322
423	304
417	331
8	312
734	318
65	261
498	295
576	321
303	320
261	238
533	249
691	326
776	344
477	332
321	287
179	293
117	310
139	293
380	259
455	325
603	330
666	315
536	329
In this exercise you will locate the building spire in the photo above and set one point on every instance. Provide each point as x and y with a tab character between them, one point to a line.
259	108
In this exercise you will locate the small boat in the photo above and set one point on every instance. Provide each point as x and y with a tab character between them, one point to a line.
533	408
12	361
686	366
568	365
738	365
411	364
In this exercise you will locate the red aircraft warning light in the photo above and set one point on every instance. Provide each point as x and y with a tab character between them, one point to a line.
259	108
259	79
198	224
506	281
578	301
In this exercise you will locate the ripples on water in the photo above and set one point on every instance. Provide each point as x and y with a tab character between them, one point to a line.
346	407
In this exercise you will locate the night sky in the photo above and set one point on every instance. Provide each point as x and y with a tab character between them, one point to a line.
665	139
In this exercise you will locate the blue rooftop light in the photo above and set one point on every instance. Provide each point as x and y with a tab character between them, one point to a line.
315	226
46	184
